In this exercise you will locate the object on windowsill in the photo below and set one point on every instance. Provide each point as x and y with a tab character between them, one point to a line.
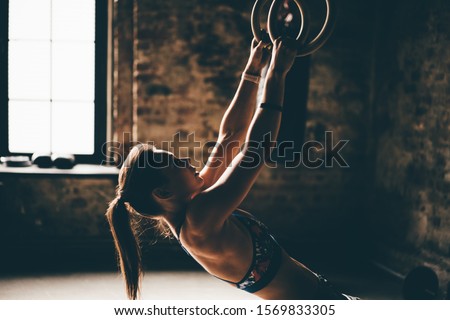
42	160
63	161
16	161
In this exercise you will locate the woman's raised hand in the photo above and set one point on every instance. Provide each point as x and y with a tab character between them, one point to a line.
259	56
283	55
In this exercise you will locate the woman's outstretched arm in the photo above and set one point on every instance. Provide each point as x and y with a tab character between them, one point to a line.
213	206
240	112
237	118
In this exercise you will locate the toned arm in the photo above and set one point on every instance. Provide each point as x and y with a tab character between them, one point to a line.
214	205
236	119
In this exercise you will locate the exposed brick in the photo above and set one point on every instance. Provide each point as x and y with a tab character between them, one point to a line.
158	89
178	64
409	160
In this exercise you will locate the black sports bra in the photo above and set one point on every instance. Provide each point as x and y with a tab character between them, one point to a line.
266	254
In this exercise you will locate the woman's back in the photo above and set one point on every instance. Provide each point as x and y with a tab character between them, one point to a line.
229	243
244	254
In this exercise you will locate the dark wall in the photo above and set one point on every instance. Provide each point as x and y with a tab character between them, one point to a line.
52	223
188	58
410	220
53	208
381	82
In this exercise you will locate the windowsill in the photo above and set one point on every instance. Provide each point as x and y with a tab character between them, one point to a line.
79	171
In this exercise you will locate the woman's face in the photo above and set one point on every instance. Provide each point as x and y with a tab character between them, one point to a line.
183	177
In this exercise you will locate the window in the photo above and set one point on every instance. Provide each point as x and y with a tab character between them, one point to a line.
53	77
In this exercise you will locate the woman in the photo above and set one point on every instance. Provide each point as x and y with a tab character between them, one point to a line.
200	209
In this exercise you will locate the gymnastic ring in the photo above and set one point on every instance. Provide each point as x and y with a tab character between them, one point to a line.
304	25
319	40
256	23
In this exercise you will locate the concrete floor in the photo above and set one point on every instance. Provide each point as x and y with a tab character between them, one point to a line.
179	285
50	272
109	285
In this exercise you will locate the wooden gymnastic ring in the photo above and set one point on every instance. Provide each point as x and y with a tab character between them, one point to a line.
256	23
274	31
318	41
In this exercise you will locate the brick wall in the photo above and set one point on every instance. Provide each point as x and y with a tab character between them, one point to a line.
188	58
380	82
410	221
35	209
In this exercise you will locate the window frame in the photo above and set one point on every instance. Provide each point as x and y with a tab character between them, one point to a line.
101	83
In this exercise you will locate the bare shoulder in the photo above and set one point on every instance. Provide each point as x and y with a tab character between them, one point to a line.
212	242
200	236
205	211
200	219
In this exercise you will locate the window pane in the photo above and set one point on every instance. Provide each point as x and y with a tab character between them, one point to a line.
29	19
73	127
73	20
29	70
73	71
29	126
51	76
